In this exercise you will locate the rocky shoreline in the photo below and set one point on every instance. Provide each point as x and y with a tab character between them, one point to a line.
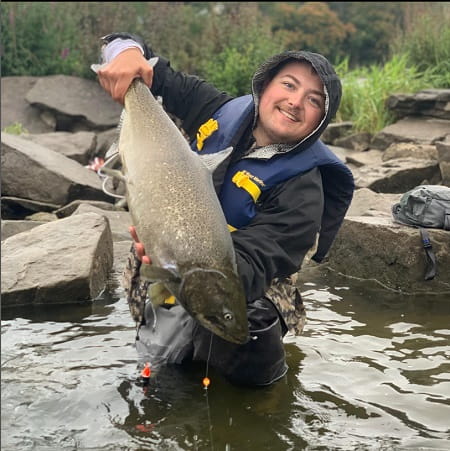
62	236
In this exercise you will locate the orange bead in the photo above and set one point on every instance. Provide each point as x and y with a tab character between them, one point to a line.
146	371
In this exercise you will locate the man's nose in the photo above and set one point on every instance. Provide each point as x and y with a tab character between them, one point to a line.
297	100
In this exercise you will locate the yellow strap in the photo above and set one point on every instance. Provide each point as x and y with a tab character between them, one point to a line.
205	131
170	300
231	228
242	180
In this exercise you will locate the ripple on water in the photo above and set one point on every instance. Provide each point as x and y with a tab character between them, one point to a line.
370	372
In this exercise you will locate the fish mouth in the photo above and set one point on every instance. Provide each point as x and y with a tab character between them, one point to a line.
238	337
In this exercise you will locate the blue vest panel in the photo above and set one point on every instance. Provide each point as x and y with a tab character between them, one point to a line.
248	178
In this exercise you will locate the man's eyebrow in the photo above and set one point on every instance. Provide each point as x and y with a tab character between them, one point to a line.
314	91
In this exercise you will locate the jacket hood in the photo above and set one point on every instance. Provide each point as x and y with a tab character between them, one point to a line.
324	69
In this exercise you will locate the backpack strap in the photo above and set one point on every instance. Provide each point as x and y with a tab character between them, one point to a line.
447	220
430	271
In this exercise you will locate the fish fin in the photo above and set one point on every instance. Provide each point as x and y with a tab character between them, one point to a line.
213	160
97	67
158	293
158	274
153	61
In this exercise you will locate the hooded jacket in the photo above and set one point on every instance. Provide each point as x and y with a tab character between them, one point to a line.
288	218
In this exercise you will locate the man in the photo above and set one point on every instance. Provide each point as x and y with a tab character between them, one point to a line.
279	189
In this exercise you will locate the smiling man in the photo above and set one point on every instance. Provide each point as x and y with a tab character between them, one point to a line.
280	189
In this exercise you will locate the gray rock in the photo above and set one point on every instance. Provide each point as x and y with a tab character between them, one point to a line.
34	172
12	227
72	97
429	102
398	175
18	208
16	110
412	129
64	261
119	221
443	149
79	146
412	150
366	202
379	249
68	209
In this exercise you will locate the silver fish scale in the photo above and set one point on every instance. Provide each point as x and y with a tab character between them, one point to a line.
178	216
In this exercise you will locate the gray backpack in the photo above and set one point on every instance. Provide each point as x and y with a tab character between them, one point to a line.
425	206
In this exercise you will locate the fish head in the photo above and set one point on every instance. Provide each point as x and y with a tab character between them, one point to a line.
217	301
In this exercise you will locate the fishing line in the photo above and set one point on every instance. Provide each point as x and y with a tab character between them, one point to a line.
206	383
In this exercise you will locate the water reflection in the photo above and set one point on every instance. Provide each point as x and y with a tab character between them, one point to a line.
370	372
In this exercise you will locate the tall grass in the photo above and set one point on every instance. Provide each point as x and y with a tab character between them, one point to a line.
365	91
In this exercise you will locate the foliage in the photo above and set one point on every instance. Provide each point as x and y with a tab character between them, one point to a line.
405	46
375	26
247	46
426	43
15	129
366	90
312	26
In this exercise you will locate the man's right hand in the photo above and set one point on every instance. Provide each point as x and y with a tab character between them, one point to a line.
116	77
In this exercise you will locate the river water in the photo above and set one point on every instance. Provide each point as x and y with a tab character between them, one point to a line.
371	372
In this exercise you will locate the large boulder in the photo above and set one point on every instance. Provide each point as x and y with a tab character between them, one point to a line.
31	171
376	248
64	261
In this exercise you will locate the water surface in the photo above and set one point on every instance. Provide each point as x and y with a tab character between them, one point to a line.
370	372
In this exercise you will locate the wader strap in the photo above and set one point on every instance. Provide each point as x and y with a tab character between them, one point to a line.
430	271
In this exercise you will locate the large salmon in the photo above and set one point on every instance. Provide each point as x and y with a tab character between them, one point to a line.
178	217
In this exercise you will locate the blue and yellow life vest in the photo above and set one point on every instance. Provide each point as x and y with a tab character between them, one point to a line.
248	178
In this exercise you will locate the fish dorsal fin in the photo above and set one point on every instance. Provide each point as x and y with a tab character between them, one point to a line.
213	160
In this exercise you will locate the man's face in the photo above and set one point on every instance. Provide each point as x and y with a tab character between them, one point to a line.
291	105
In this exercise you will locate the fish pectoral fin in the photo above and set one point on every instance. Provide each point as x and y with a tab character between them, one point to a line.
159	294
212	160
155	273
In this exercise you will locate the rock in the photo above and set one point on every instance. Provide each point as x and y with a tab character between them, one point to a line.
429	102
79	146
64	261
366	202
16	110
412	129
19	208
119	221
34	172
356	141
68	209
398	175
393	254
410	150
74	99
12	227
443	149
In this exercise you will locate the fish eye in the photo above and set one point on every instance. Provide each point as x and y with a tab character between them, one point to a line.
228	316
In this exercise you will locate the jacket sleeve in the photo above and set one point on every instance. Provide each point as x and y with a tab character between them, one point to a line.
188	97
275	243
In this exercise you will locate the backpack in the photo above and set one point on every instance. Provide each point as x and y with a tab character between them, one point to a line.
425	206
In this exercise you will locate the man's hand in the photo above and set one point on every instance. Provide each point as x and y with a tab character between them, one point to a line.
140	250
116	77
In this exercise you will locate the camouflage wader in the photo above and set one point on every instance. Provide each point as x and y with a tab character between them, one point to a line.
168	334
